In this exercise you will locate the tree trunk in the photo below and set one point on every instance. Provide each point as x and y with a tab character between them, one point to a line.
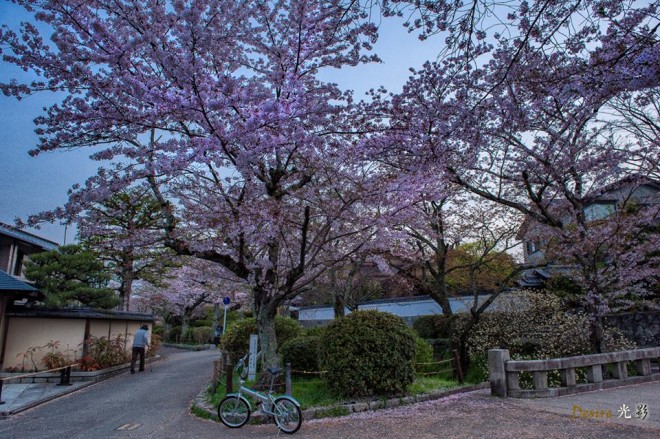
126	291
598	335
267	339
126	288
463	338
185	324
339	305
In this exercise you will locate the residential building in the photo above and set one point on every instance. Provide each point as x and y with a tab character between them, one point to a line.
16	246
630	191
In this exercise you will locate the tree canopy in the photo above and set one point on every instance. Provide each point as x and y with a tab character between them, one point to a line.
259	166
71	275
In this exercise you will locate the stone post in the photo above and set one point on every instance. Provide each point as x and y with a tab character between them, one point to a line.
497	359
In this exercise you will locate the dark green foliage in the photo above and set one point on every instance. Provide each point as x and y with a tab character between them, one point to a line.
201	334
368	353
302	353
434	326
423	355
71	275
175	334
236	340
568	290
314	331
476	373
425	327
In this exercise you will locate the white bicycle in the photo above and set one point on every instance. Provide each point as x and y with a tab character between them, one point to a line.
234	410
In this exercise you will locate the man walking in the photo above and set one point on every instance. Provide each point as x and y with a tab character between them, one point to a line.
140	342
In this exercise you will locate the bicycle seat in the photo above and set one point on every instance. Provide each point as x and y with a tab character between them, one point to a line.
274	370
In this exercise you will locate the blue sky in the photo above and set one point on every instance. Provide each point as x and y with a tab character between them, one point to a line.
29	185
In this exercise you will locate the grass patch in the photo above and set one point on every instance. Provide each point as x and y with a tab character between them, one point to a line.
201	413
313	392
428	384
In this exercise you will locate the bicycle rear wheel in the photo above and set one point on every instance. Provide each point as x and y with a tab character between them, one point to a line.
233	411
287	415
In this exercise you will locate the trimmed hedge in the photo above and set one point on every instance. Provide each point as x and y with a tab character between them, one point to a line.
236	340
302	353
368	353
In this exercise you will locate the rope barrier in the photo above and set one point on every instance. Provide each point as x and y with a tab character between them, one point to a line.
436	362
305	372
435	373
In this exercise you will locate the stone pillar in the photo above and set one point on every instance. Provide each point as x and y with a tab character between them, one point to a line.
643	367
620	370
568	377
595	373
497	359
540	379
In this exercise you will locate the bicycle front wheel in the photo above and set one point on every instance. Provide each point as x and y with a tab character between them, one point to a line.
287	415
233	411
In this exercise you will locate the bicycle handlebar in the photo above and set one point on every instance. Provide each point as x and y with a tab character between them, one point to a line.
241	363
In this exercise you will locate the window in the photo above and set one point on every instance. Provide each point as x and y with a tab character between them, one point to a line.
18	268
533	246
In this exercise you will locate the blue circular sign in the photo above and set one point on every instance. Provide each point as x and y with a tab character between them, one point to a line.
226	300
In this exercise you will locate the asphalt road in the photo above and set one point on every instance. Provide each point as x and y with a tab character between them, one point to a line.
155	404
150	404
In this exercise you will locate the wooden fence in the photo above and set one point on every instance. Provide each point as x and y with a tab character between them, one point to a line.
223	372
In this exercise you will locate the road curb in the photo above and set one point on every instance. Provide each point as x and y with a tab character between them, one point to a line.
200	403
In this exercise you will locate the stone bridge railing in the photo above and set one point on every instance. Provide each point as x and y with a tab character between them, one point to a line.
504	373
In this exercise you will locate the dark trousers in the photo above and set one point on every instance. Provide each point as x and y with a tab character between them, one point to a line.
136	352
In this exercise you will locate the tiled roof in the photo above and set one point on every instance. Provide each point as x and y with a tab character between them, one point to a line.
10	283
81	313
13	232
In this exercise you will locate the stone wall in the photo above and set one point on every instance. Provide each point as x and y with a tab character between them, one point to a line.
641	327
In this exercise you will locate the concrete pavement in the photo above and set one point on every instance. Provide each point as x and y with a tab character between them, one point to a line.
19	397
629	405
16	398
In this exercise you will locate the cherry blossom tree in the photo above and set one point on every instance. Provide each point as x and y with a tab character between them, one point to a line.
529	127
216	105
263	169
186	289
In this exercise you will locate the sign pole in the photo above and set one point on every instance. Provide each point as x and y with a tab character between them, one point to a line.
226	301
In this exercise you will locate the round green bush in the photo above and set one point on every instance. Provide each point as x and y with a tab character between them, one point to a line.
202	334
302	353
236	340
316	331
368	353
